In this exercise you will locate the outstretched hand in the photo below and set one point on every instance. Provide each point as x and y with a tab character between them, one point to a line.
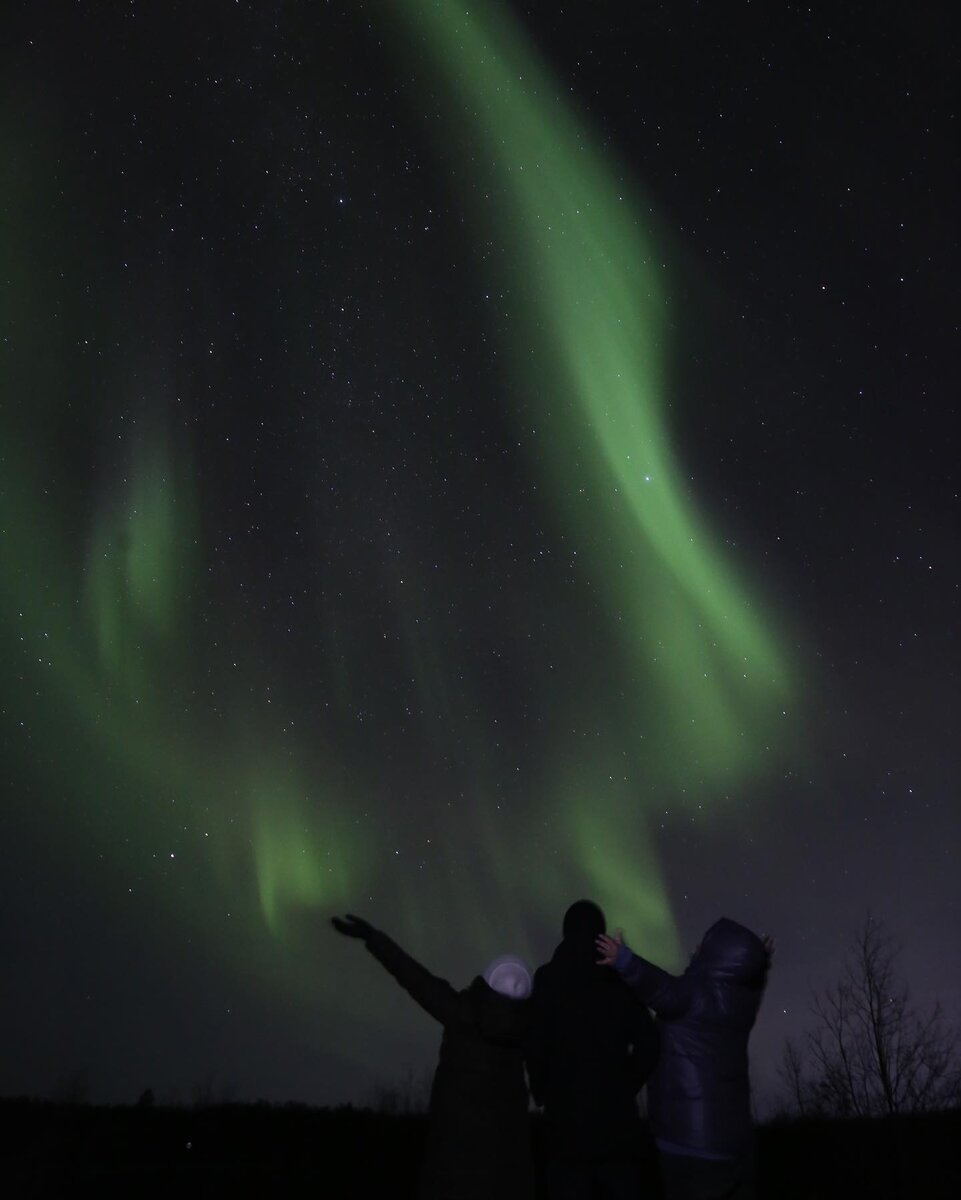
351	926
608	947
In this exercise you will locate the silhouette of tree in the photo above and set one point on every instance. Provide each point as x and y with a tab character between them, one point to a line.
871	1052
791	1072
409	1094
211	1092
73	1087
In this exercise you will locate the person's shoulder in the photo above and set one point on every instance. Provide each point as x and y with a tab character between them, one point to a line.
544	976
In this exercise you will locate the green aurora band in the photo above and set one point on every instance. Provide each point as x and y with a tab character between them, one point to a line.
116	679
709	681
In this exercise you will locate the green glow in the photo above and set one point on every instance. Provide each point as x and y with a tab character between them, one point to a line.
153	716
702	682
593	352
299	865
622	873
139	564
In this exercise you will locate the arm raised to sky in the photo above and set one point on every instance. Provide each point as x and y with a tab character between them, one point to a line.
668	995
434	995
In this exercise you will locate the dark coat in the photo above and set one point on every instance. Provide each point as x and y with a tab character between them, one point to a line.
699	1095
590	1049
478	1140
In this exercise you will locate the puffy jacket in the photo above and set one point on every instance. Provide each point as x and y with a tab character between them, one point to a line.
699	1095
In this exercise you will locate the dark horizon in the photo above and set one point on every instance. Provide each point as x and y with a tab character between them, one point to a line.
254	1150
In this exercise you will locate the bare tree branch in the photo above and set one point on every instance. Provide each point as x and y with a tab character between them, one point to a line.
870	1051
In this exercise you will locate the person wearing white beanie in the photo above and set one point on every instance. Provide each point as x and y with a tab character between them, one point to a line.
510	976
478	1140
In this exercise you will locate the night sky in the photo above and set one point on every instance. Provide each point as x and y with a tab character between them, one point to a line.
455	460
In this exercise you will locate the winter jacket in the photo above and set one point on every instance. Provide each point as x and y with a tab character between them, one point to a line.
591	1047
699	1095
478	1140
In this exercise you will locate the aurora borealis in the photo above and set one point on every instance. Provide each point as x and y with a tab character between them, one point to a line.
434	487
593	360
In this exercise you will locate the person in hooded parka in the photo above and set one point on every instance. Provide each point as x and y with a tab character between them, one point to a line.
699	1096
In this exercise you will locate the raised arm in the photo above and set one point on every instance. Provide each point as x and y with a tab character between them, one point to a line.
434	995
668	995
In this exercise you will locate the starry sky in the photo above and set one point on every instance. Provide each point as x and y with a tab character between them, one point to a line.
456	459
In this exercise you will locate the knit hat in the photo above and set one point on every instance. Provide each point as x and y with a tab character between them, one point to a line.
510	976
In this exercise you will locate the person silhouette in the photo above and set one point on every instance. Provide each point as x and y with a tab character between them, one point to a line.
699	1098
590	1048
478	1138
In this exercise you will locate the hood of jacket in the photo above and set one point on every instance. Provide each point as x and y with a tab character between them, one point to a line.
732	952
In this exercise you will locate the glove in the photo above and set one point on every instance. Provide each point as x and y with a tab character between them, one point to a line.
352	926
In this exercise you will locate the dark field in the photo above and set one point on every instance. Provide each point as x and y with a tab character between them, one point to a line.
258	1150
